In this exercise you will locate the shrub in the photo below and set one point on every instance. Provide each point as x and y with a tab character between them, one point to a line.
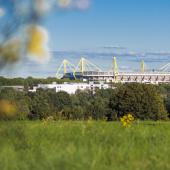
145	101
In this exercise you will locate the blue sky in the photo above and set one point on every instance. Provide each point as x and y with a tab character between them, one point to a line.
131	30
135	24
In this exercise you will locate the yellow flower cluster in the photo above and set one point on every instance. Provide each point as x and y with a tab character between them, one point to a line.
127	120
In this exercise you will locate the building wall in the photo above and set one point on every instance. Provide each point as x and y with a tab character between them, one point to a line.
70	88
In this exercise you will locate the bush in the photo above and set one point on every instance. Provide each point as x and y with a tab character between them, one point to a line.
144	101
13	105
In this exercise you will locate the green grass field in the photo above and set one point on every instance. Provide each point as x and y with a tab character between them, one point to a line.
84	145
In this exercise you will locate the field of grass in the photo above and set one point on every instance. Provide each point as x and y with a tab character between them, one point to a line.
84	146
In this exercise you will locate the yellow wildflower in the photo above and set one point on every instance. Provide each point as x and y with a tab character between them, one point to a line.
127	120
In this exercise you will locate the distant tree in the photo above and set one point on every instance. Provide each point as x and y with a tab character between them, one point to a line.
40	107
99	110
61	100
73	113
84	99
19	101
165	89
144	101
30	81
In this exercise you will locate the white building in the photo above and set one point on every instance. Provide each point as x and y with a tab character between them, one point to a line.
70	88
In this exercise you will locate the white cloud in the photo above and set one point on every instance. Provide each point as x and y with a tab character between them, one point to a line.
114	47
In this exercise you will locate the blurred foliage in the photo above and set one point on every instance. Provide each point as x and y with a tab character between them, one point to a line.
7	109
14	105
22	32
10	52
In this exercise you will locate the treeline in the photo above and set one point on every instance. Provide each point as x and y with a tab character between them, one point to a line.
30	81
144	102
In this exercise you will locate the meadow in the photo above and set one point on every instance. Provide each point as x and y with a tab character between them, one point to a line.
84	145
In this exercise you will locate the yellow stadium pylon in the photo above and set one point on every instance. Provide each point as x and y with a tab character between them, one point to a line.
115	69
142	66
115	66
86	65
64	68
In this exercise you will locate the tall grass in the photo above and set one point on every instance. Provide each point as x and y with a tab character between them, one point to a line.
70	145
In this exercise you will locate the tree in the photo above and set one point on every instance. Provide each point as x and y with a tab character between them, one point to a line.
165	89
14	103
144	101
100	103
84	99
59	100
40	107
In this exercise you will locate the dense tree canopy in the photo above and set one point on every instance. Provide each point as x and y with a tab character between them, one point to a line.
13	104
29	82
145	102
